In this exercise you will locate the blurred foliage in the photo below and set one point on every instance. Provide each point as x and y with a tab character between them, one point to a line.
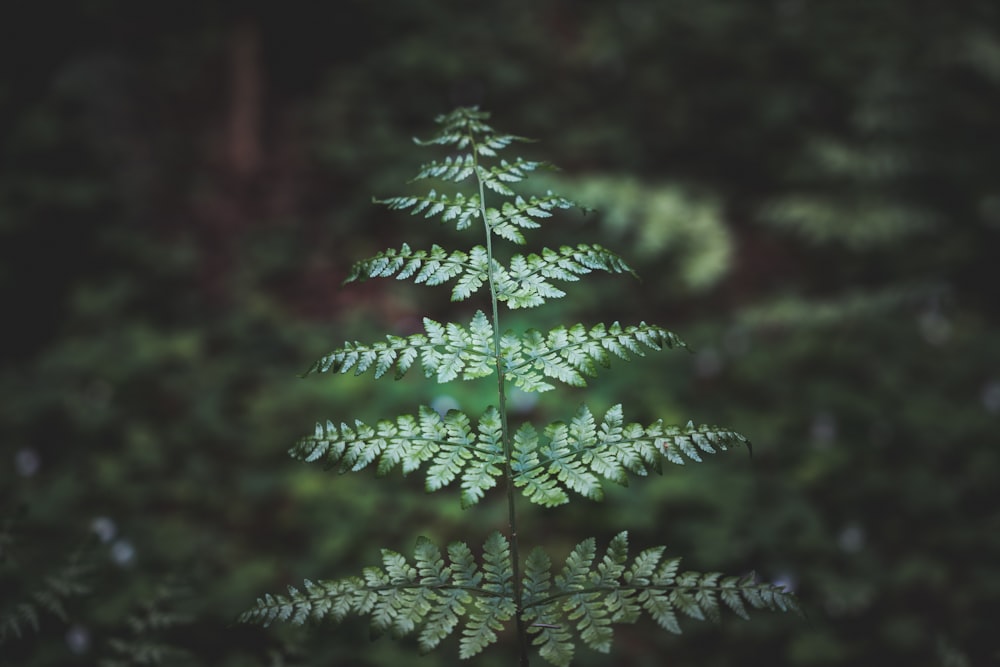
661	222
181	193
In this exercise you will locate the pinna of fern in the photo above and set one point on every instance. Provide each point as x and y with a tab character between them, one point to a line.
578	455
436	597
573	456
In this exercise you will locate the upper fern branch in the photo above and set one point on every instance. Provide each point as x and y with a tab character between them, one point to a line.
465	129
506	222
459	126
524	284
476	152
450	351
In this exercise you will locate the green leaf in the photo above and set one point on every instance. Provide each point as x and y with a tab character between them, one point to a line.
453	452
570	354
451	445
514	172
475	275
490	612
428	593
457	208
444	611
539	486
576	456
525	283
47	596
481	475
446	352
584	601
589	596
610	572
453	168
466	126
545	618
561	454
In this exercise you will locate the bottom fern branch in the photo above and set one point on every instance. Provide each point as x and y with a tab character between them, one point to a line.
434	595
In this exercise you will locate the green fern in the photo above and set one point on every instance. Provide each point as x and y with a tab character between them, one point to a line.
149	626
436	594
450	351
28	600
574	455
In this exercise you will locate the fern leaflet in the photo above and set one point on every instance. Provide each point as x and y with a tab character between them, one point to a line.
436	595
570	354
431	593
572	456
460	126
446	351
449	443
576	456
29	600
450	351
588	598
523	284
463	210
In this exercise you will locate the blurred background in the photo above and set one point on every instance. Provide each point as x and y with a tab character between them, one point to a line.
808	191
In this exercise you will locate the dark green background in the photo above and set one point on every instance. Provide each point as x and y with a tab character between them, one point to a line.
808	190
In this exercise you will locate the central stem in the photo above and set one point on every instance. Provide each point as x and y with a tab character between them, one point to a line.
522	635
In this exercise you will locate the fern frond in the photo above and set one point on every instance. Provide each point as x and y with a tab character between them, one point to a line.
498	176
490	612
449	351
454	169
429	592
461	123
449	443
512	217
588	596
431	267
463	210
152	630
538	484
523	285
437	595
465	128
576	456
446	351
25	608
570	354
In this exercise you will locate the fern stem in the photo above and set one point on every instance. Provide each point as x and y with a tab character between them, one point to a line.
522	634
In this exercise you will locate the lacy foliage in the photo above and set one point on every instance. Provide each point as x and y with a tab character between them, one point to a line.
522	284
436	594
450	351
28	602
567	456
